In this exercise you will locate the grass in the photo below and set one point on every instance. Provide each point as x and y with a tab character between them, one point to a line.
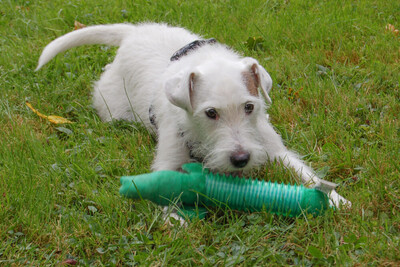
336	101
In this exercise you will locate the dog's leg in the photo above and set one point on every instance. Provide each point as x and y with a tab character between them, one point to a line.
171	154
277	151
169	212
308	177
172	151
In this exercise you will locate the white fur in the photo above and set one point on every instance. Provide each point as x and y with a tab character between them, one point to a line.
180	92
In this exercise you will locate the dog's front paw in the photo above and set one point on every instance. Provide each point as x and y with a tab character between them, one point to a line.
168	214
338	201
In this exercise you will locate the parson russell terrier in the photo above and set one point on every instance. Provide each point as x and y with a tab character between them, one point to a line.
203	101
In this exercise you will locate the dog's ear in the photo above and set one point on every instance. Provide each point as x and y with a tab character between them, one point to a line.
256	77
179	90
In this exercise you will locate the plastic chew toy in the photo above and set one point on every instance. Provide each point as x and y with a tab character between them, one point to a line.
198	187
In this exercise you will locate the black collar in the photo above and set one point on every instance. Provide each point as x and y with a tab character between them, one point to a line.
190	47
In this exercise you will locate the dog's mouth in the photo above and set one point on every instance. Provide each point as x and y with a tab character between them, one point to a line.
228	171
234	174
229	174
236	165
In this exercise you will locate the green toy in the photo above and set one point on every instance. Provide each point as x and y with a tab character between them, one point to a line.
196	187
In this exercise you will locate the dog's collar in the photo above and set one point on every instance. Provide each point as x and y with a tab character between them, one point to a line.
191	47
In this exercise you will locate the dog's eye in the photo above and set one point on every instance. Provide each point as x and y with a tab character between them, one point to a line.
212	113
248	108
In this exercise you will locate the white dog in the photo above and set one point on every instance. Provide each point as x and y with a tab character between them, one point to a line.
204	101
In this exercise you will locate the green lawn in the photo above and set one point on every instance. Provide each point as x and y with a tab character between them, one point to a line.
336	100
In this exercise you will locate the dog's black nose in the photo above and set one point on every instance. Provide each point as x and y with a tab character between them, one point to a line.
240	159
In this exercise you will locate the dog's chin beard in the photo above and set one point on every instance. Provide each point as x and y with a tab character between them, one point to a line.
228	172
238	173
226	169
234	174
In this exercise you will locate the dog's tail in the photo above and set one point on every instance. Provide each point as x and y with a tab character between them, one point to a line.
102	34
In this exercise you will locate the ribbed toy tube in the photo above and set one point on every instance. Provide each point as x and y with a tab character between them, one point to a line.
197	186
255	195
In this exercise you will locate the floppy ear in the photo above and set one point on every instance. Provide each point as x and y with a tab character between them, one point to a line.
179	90
260	78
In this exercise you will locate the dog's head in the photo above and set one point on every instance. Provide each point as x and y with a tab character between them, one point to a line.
224	103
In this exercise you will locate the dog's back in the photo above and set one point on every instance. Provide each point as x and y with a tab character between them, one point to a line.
144	54
161	39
